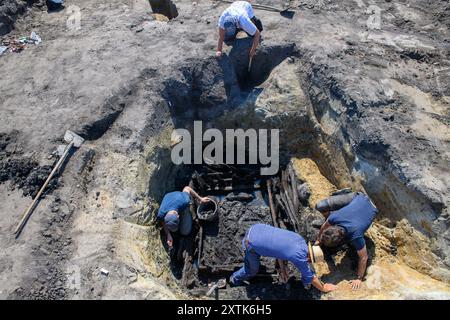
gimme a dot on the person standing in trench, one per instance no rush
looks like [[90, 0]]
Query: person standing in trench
[[238, 16], [347, 219], [174, 212]]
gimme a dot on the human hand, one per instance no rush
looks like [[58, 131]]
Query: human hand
[[205, 199], [328, 287], [218, 54], [169, 240], [356, 284]]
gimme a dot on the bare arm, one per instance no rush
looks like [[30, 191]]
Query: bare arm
[[256, 38], [195, 194], [220, 42], [168, 236], [362, 264], [324, 287]]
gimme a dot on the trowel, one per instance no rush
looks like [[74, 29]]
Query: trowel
[[73, 140]]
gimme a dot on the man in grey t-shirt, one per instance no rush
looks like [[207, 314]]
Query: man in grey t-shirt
[[238, 16]]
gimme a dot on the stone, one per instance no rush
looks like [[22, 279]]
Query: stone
[[303, 192]]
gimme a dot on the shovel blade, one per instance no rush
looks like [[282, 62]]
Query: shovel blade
[[71, 136]]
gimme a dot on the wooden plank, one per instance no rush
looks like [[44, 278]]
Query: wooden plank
[[200, 245], [272, 208], [294, 190], [284, 275], [285, 191], [288, 211]]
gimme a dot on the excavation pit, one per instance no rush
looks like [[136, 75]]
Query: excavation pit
[[311, 142], [213, 250]]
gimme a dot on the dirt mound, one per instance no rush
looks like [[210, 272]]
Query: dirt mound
[[26, 174], [23, 172], [10, 10]]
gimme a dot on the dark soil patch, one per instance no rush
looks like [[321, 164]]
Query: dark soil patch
[[26, 174], [223, 238]]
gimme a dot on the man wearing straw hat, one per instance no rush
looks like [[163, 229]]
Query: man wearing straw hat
[[265, 240]]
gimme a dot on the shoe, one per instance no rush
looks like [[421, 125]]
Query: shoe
[[233, 282]]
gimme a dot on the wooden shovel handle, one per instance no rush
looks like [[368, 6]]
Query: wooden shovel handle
[[30, 209]]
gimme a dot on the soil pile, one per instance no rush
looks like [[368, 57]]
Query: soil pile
[[10, 10]]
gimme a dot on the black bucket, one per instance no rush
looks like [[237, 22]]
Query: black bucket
[[208, 211]]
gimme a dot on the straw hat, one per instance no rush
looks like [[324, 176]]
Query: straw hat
[[316, 253]]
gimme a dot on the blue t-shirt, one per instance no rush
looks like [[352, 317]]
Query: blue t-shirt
[[176, 200], [355, 218], [282, 244]]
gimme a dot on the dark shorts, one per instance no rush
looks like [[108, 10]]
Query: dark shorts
[[257, 23]]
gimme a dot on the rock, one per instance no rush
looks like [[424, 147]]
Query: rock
[[47, 234], [11, 10], [84, 160], [303, 192]]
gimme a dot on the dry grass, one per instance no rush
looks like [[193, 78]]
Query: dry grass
[[308, 171]]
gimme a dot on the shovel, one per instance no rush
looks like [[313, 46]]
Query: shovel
[[222, 283], [261, 6], [247, 76], [74, 140]]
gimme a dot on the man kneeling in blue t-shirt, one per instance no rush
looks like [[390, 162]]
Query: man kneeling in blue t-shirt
[[349, 223], [267, 241], [174, 212]]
